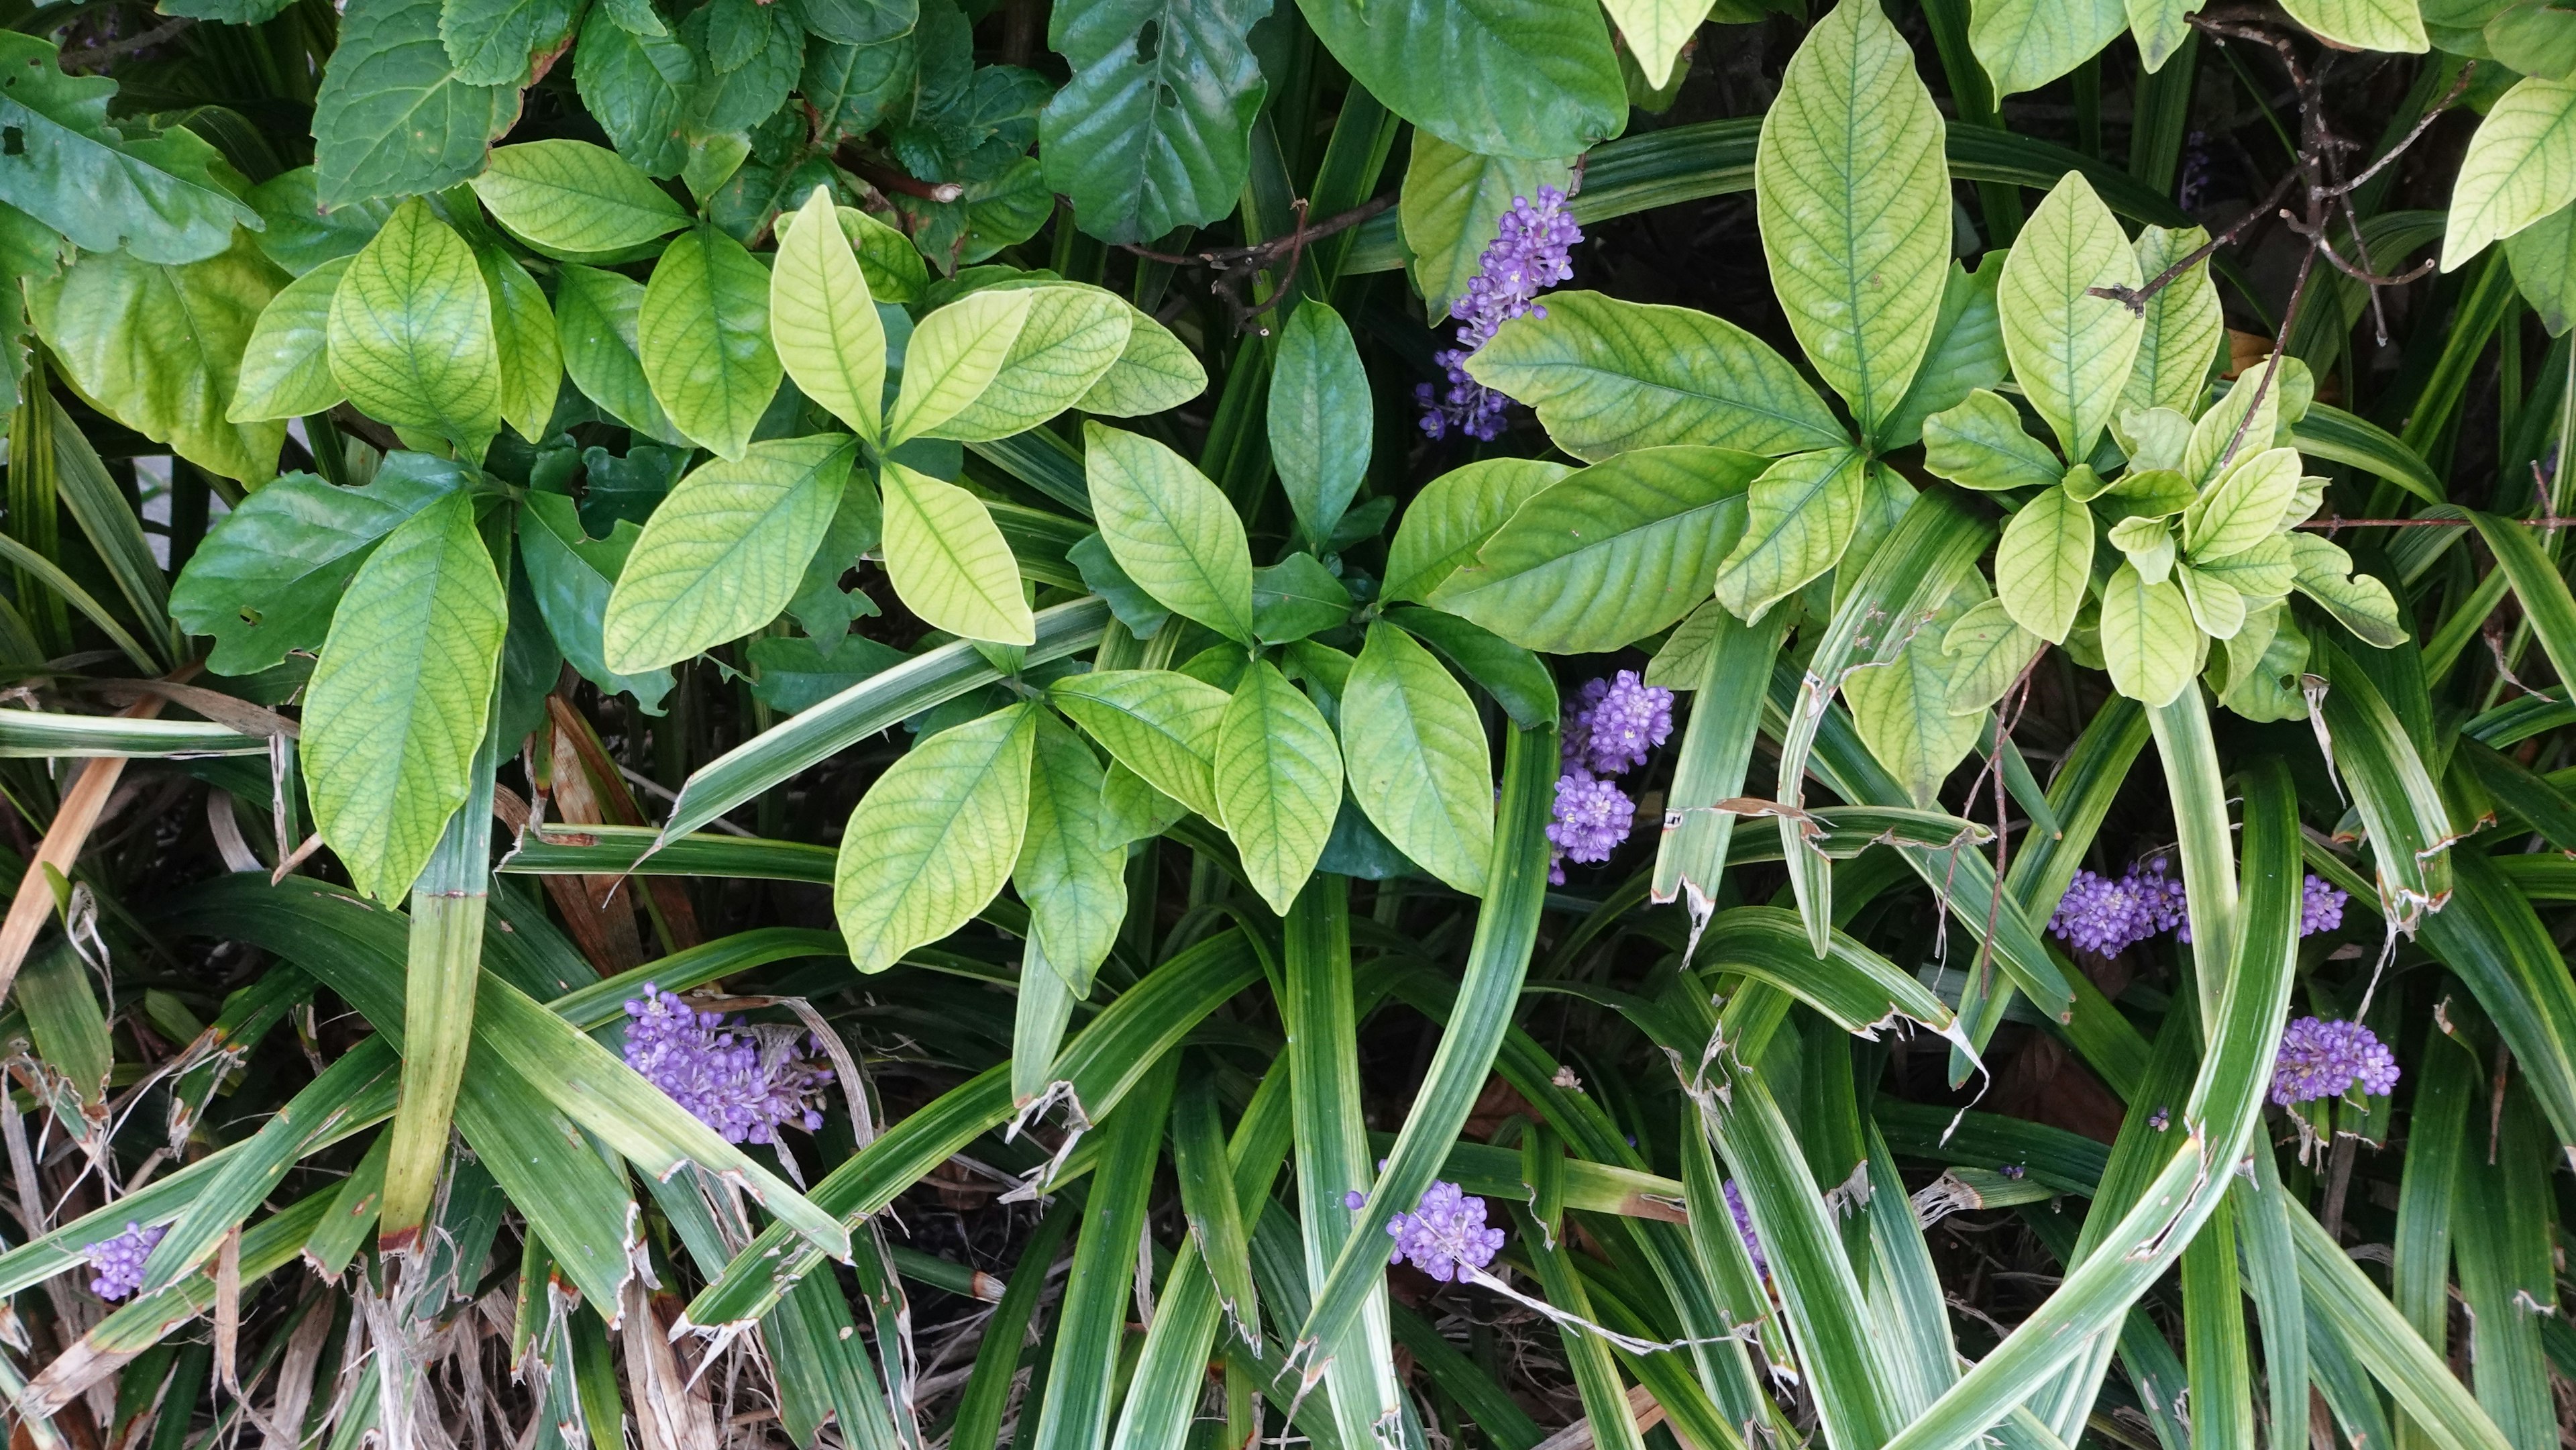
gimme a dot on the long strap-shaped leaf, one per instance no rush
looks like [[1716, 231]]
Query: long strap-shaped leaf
[[2217, 1123], [1075, 1415], [876, 703], [2497, 944]]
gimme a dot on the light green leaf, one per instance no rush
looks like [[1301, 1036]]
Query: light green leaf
[[2244, 507], [396, 708], [574, 201], [1321, 418], [2025, 44], [2225, 434], [523, 328], [2160, 26], [1607, 376], [411, 332], [1967, 352], [503, 42], [595, 317], [1500, 77], [2388, 25], [1453, 516], [1902, 711], [2520, 167], [1854, 200], [702, 334], [953, 356], [1608, 554], [1071, 874], [1069, 340], [1656, 31], [1161, 724], [1801, 513], [1296, 597], [2543, 256], [1172, 531], [1154, 373], [1131, 810], [1278, 774], [2149, 641], [2264, 571], [1980, 444], [1451, 201], [159, 348], [2148, 543], [2215, 605], [1987, 651], [1419, 765], [2044, 562], [725, 551], [2360, 602], [2183, 331], [935, 837], [2070, 351], [286, 366], [822, 320], [393, 118], [949, 561]]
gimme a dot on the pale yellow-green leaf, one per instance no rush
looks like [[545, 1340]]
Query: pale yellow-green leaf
[[595, 314], [1902, 711], [2244, 507], [2183, 331], [1070, 339], [2148, 544], [2160, 27], [949, 562], [1451, 201], [1454, 514], [1987, 651], [1173, 531], [523, 327], [1069, 872], [1656, 31], [2070, 350], [823, 321], [935, 837], [2386, 25], [2264, 665], [2520, 167], [2025, 44], [2360, 602], [2149, 642], [2152, 437], [953, 356], [1154, 373], [1981, 444], [1278, 775], [2266, 571], [1418, 762], [411, 332], [2225, 433], [1161, 724], [2543, 256], [1800, 516], [702, 333], [574, 201], [2155, 493], [1131, 809], [286, 368], [2043, 563], [724, 551], [2215, 605]]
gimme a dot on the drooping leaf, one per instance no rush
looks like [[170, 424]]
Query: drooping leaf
[[1496, 77], [396, 708], [1161, 724], [1417, 759], [1854, 199], [1607, 376], [1069, 339], [1800, 516], [953, 356], [2148, 639], [2071, 351], [2025, 44], [1451, 202], [411, 332], [505, 42], [2520, 167], [1981, 444], [1153, 130], [1902, 709], [1278, 777], [2044, 562], [1453, 516], [2543, 257], [1071, 874], [949, 562], [2360, 602], [1987, 651], [286, 365], [823, 320], [935, 837], [1320, 418], [595, 326], [725, 551], [1173, 532], [702, 334], [2183, 330], [393, 117], [575, 201]]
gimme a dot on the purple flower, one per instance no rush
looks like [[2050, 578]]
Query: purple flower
[[2320, 907], [2105, 916], [1354, 1200], [740, 1082], [1744, 1227], [1592, 817], [119, 1261], [1530, 253], [1616, 722], [1445, 1235], [2321, 1059]]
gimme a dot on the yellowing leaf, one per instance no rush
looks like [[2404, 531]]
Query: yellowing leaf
[[1278, 775], [286, 366], [2149, 641], [725, 551], [1161, 724], [702, 334], [2044, 562], [2071, 351], [823, 321], [2520, 167], [1173, 532], [1802, 511], [953, 356], [949, 562], [411, 332], [935, 837]]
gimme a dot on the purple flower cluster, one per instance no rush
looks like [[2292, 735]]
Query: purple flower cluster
[[119, 1261], [1615, 722], [1530, 253], [727, 1078], [2106, 916], [1744, 1227], [1445, 1235], [2321, 1059]]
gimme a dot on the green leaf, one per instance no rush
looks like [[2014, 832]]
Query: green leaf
[[2532, 37], [1320, 418], [1420, 770], [396, 708], [301, 236], [505, 42], [1902, 711], [1967, 352], [1980, 444], [638, 88], [1296, 597], [68, 166], [270, 573], [2148, 637], [953, 356], [2543, 256], [411, 332], [1154, 373], [702, 334], [1161, 724], [1608, 376], [2264, 571], [574, 201], [1656, 31], [725, 551], [523, 327], [1453, 516], [1451, 203], [1800, 517], [286, 365], [2244, 507], [935, 837], [2025, 44], [2359, 602], [393, 118], [1070, 871], [1173, 532], [2388, 25], [1608, 554], [1070, 338], [2071, 351], [822, 319], [2520, 167], [1497, 77], [2148, 544], [1987, 651], [1854, 199], [2215, 605], [1278, 777], [1153, 130], [159, 348], [2184, 328], [793, 678], [571, 576], [595, 320], [949, 562]]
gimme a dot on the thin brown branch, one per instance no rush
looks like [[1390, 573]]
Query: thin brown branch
[[887, 178], [2136, 298]]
